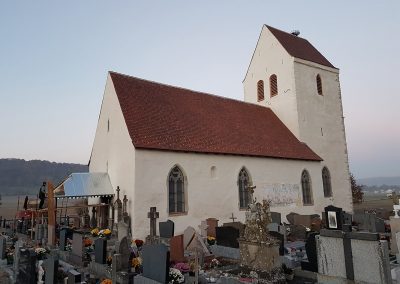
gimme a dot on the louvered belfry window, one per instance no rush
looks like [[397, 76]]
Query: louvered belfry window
[[273, 85], [319, 85], [260, 90]]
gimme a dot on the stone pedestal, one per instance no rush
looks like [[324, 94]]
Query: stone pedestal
[[259, 256]]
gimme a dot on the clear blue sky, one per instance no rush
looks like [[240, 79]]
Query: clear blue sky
[[54, 58]]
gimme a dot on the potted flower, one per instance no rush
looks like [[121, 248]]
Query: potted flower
[[175, 276], [95, 232], [106, 281], [210, 240], [139, 243], [137, 264], [87, 242], [40, 252], [109, 260]]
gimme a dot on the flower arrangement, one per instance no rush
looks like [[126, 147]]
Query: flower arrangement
[[87, 242], [40, 251], [175, 276], [214, 262], [106, 281], [95, 232], [136, 262], [105, 233], [138, 243], [182, 267], [109, 260], [210, 240]]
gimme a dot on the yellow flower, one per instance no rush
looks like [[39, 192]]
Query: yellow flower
[[107, 231], [210, 238], [136, 261], [95, 231]]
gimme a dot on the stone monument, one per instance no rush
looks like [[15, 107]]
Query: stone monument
[[258, 249]]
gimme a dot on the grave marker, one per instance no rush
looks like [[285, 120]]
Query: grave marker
[[156, 256], [100, 250], [166, 229], [3, 247], [227, 236]]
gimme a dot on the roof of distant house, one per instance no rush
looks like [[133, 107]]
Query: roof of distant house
[[164, 117], [299, 47]]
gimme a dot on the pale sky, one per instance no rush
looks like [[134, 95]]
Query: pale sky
[[54, 58]]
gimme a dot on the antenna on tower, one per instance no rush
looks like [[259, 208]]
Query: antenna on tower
[[295, 32]]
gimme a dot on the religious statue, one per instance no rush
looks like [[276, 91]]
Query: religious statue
[[42, 195]]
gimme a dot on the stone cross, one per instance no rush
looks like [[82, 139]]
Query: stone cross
[[118, 206], [124, 206], [153, 215], [203, 229], [233, 218]]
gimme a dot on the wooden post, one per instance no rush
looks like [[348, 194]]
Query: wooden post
[[51, 214]]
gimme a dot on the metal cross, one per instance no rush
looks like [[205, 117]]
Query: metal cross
[[153, 215], [233, 218]]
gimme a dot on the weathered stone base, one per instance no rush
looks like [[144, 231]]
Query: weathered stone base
[[260, 256]]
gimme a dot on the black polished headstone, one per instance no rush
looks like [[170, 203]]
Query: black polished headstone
[[166, 229], [156, 256], [51, 269], [333, 217], [227, 236], [3, 247], [100, 251], [74, 277], [63, 240], [311, 251], [281, 239], [347, 218]]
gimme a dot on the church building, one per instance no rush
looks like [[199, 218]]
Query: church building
[[193, 155]]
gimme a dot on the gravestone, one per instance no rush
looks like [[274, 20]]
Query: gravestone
[[237, 225], [212, 224], [123, 249], [276, 217], [227, 236], [290, 217], [333, 217], [153, 215], [311, 250], [347, 218], [51, 269], [3, 247], [122, 230], [188, 236], [77, 249], [177, 252], [166, 229], [304, 220], [74, 277], [297, 232], [156, 256], [281, 239], [63, 240], [203, 229], [100, 250]]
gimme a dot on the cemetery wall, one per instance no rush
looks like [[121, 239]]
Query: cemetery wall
[[217, 196]]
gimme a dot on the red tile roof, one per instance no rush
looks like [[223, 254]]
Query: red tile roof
[[299, 47], [169, 118]]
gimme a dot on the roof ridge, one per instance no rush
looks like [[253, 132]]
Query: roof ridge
[[290, 34], [186, 89]]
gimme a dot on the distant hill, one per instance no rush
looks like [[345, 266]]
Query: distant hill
[[378, 181], [20, 177]]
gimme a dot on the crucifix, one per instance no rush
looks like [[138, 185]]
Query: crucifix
[[233, 218], [153, 215]]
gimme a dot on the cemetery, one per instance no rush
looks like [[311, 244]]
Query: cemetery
[[265, 248]]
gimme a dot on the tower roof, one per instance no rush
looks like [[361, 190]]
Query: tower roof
[[299, 47], [163, 117]]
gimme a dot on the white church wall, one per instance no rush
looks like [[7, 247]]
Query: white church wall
[[113, 151], [212, 189], [322, 125], [271, 58]]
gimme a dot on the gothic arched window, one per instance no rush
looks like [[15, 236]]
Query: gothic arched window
[[326, 181], [243, 183], [306, 188], [273, 85], [176, 191], [260, 90], [319, 85]]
